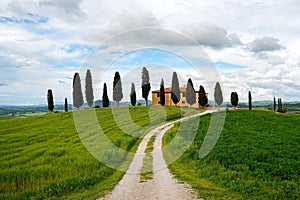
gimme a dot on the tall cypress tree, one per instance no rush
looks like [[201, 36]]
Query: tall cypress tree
[[250, 100], [175, 93], [66, 105], [145, 84], [274, 104], [234, 99], [50, 100], [162, 97], [133, 95], [77, 92], [202, 98], [89, 94], [218, 94], [117, 88], [190, 92], [105, 99]]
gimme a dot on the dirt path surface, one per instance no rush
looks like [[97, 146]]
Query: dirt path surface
[[163, 185]]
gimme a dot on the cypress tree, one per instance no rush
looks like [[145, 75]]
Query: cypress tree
[[77, 92], [234, 99], [105, 99], [66, 105], [202, 98], [145, 84], [218, 94], [250, 100], [279, 105], [89, 94], [175, 93], [190, 92], [162, 93], [50, 100], [117, 88], [133, 95], [274, 104]]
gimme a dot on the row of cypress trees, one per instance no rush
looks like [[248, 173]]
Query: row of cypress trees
[[190, 92], [117, 90]]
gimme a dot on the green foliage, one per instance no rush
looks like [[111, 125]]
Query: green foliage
[[117, 88], [133, 95], [105, 99], [77, 92], [66, 105], [256, 157], [234, 99], [218, 94], [202, 98], [50, 100], [250, 100], [145, 84], [89, 94], [162, 93], [175, 93], [190, 92]]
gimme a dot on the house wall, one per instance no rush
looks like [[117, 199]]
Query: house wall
[[169, 102]]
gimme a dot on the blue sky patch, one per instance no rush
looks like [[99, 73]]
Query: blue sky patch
[[31, 19], [224, 65]]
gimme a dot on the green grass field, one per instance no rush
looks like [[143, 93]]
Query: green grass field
[[256, 157], [42, 157]]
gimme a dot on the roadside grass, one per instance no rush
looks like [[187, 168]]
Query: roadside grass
[[256, 157], [146, 171], [42, 157]]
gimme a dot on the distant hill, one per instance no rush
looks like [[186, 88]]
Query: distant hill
[[7, 110]]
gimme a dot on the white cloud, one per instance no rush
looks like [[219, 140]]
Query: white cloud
[[229, 31], [265, 44]]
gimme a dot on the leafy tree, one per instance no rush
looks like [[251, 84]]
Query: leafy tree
[[218, 94], [50, 100], [117, 88], [105, 99], [274, 104], [66, 105], [250, 100], [234, 99], [89, 94], [202, 98], [77, 92], [133, 95], [145, 84], [175, 93], [162, 93], [190, 92]]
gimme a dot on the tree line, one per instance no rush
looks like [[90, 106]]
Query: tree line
[[146, 87]]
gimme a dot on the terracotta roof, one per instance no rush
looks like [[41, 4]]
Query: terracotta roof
[[168, 90]]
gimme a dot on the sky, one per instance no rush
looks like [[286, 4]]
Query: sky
[[249, 45]]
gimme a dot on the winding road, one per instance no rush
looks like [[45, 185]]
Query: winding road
[[163, 185]]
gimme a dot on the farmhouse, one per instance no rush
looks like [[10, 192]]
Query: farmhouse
[[168, 100]]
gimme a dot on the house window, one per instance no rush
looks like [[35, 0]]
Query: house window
[[183, 94], [183, 102], [157, 94]]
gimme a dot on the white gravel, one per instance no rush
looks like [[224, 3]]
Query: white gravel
[[163, 185]]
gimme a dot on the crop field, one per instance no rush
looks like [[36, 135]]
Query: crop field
[[256, 157], [42, 157]]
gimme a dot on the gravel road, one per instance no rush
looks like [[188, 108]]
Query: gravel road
[[163, 185]]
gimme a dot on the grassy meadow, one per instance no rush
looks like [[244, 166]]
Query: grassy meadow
[[256, 157], [42, 157]]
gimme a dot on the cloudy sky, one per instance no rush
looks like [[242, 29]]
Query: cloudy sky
[[254, 45]]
